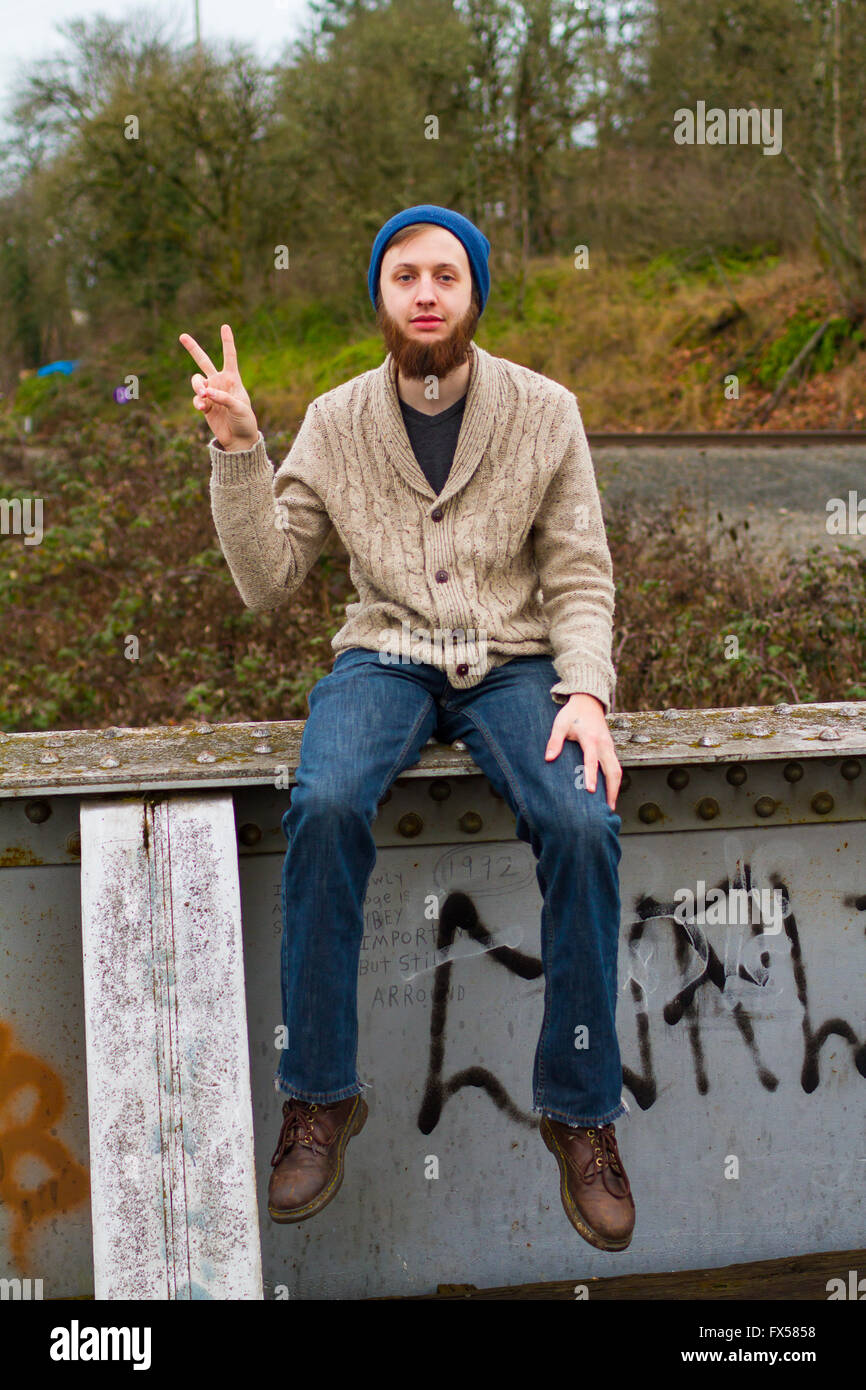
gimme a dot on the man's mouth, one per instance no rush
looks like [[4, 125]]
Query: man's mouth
[[427, 318]]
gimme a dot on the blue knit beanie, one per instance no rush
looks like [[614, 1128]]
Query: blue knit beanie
[[475, 243]]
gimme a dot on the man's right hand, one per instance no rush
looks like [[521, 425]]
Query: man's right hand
[[221, 395]]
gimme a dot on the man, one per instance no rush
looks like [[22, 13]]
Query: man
[[462, 487]]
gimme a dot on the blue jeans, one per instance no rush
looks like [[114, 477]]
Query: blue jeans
[[368, 722]]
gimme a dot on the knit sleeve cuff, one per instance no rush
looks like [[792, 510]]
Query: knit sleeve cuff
[[585, 680], [239, 467]]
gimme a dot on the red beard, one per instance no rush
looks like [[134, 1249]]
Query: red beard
[[416, 360]]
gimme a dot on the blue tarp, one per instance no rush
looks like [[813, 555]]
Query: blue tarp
[[66, 367]]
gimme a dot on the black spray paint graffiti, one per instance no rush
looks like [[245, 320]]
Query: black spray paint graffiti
[[642, 1084], [460, 912]]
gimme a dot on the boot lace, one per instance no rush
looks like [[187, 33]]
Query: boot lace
[[605, 1159], [297, 1128]]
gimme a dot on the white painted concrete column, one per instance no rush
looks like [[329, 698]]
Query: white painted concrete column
[[168, 1077]]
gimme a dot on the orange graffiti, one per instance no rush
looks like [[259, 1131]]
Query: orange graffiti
[[70, 1184]]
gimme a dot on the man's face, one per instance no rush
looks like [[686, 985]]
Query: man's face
[[427, 316]]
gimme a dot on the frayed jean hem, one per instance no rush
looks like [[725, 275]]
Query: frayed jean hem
[[318, 1097], [582, 1121]]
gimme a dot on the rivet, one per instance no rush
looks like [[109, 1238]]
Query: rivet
[[73, 843], [640, 738], [440, 790], [736, 774], [759, 731], [792, 772], [671, 714], [829, 734], [49, 758], [649, 813], [678, 778], [260, 733], [205, 758], [765, 806], [850, 769], [108, 762], [459, 745], [410, 825], [822, 803], [112, 732], [263, 748], [783, 708], [707, 808], [37, 811], [250, 834], [203, 729], [470, 823], [707, 741], [620, 722]]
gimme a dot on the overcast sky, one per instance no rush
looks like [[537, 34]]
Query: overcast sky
[[29, 34]]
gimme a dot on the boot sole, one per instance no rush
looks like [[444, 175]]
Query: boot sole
[[577, 1220], [353, 1126]]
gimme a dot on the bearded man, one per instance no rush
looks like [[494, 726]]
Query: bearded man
[[462, 487]]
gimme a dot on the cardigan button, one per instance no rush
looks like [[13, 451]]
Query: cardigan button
[[441, 576], [462, 669], [437, 514]]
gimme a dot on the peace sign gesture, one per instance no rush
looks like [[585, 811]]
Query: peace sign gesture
[[221, 395]]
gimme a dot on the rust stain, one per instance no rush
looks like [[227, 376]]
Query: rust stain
[[70, 1184], [16, 856]]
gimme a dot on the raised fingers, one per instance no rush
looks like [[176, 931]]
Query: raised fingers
[[230, 357], [198, 354]]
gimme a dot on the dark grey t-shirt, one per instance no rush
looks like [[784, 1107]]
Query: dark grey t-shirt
[[434, 439]]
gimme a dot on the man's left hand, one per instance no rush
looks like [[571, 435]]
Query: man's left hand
[[582, 718]]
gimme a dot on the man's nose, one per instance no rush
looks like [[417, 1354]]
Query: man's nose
[[426, 289]]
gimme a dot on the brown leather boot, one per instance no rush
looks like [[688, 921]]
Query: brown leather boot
[[594, 1188], [308, 1160]]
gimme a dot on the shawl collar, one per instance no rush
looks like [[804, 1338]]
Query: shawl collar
[[483, 407]]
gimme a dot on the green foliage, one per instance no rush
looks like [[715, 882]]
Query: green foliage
[[348, 362], [35, 395], [778, 356], [666, 273], [838, 332]]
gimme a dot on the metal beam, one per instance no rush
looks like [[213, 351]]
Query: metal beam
[[89, 761]]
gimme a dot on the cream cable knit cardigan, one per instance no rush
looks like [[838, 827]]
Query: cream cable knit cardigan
[[511, 559]]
